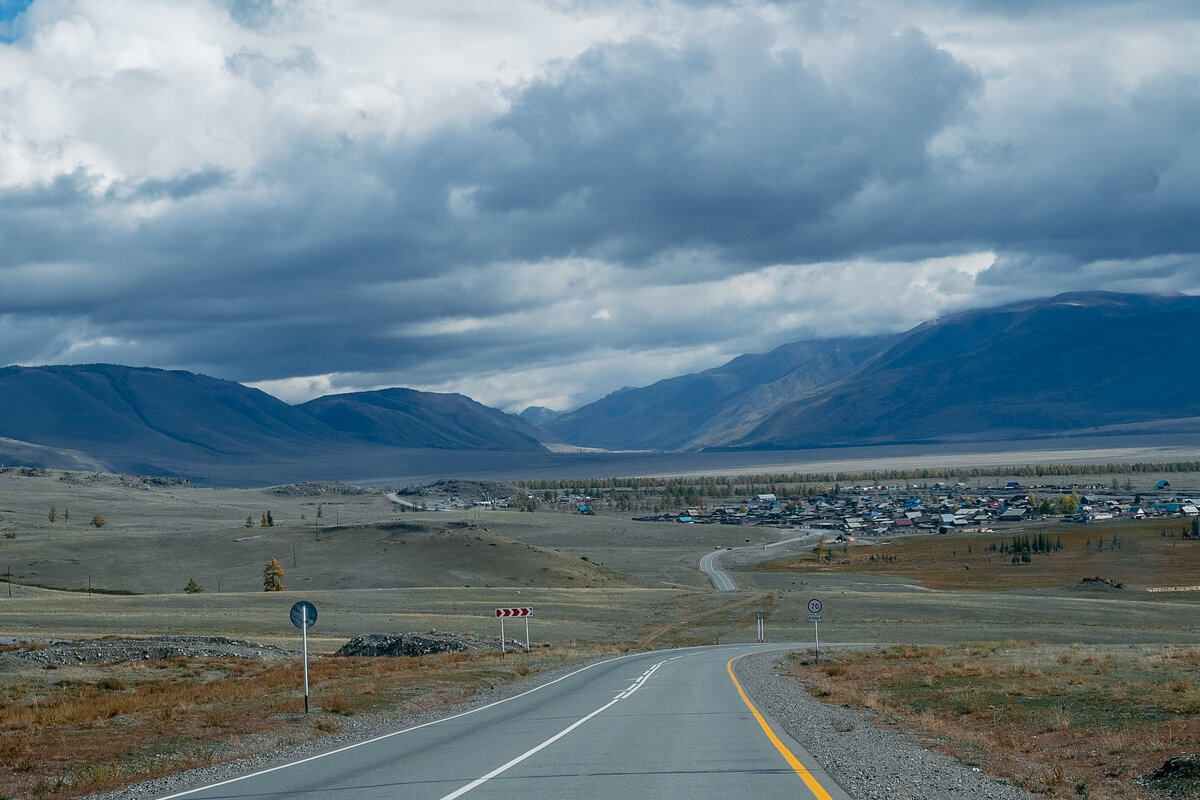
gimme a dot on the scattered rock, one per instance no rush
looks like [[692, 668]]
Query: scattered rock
[[319, 488], [112, 651], [412, 644], [1179, 777], [127, 481], [1098, 584]]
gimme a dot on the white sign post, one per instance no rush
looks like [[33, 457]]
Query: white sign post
[[525, 612], [761, 616], [304, 615], [814, 616]]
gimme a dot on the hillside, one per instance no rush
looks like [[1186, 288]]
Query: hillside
[[138, 417], [1083, 364], [715, 406], [408, 418], [1092, 362], [1077, 363], [158, 422]]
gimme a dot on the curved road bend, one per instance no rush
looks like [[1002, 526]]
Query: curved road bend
[[720, 578], [673, 725]]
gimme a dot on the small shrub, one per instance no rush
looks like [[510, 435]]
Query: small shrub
[[193, 587], [337, 704], [99, 521]]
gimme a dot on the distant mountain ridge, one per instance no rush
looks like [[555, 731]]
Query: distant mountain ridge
[[1078, 364], [1082, 362], [153, 421], [713, 407], [408, 418]]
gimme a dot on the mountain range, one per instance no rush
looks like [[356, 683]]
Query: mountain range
[[1089, 362], [1076, 364]]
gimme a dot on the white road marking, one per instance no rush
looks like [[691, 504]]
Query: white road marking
[[639, 683], [394, 733]]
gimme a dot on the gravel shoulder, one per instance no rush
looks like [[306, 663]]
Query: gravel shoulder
[[869, 763]]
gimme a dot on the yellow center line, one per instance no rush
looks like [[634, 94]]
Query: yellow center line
[[806, 776]]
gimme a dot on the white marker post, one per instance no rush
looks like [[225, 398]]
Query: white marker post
[[761, 616]]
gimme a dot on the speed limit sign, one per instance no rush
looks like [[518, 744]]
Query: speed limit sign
[[814, 606]]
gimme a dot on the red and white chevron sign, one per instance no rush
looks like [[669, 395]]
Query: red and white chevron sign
[[514, 612]]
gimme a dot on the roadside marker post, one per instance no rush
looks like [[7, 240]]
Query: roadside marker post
[[525, 612], [304, 616], [814, 616], [761, 616]]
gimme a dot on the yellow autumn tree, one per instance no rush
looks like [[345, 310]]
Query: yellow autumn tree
[[273, 576]]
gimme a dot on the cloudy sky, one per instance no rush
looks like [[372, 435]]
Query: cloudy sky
[[541, 202]]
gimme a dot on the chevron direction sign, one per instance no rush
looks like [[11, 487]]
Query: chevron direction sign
[[514, 612]]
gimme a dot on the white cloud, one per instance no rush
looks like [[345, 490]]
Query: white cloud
[[539, 202]]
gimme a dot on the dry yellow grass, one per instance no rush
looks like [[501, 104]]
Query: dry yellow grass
[[1054, 719], [1136, 553], [160, 717]]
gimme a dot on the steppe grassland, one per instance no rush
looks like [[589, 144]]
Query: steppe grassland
[[1064, 721], [164, 534], [1150, 553]]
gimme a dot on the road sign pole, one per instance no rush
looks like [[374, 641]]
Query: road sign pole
[[303, 614], [304, 636], [525, 612], [814, 616]]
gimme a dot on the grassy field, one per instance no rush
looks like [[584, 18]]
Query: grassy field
[[597, 584], [81, 730], [1064, 721], [1141, 554]]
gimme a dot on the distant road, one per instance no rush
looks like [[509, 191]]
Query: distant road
[[672, 725], [719, 577]]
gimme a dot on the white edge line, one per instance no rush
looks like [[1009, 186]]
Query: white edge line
[[475, 784], [394, 733]]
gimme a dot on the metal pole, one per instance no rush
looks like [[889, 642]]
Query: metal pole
[[502, 650], [304, 636], [817, 634], [527, 634]]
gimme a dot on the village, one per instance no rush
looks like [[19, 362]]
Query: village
[[886, 510]]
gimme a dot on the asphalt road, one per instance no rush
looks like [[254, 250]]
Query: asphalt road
[[673, 725], [719, 577]]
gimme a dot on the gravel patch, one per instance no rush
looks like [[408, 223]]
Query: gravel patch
[[869, 763], [112, 651]]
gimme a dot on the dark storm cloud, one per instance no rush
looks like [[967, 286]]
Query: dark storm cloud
[[712, 176], [633, 149]]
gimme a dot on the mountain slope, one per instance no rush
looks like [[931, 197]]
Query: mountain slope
[[155, 422], [105, 407], [717, 405], [1074, 362], [408, 418]]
